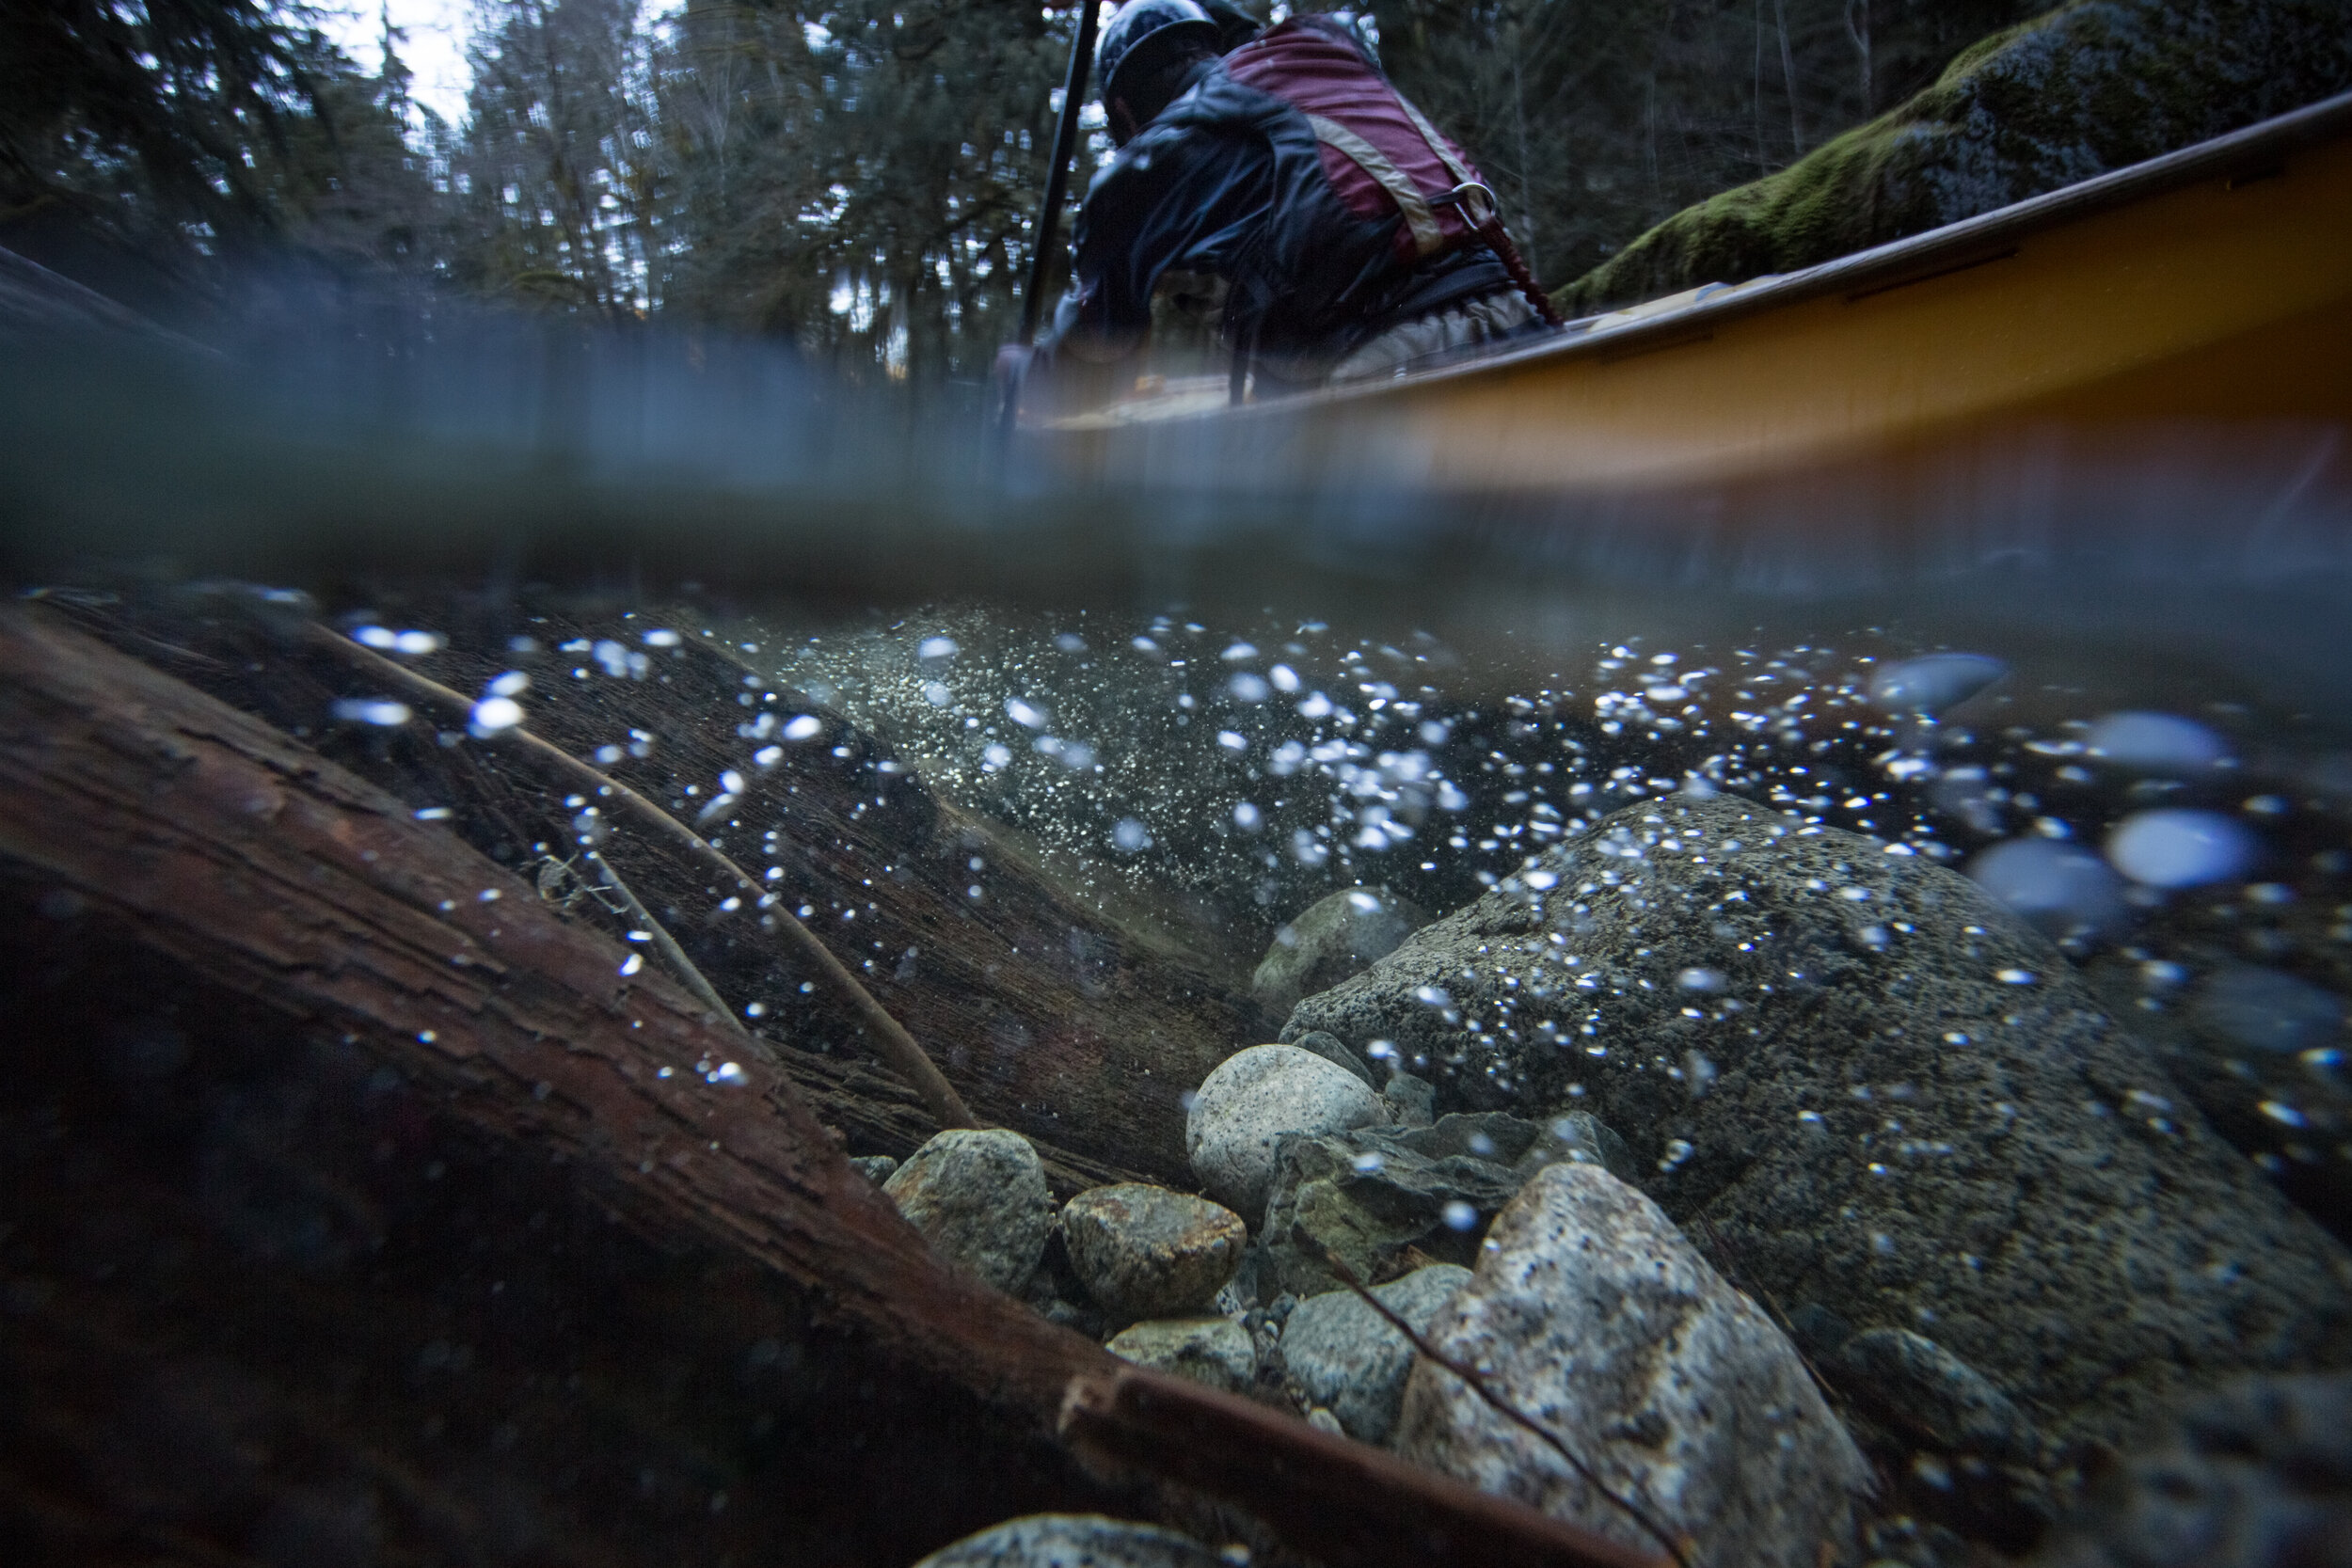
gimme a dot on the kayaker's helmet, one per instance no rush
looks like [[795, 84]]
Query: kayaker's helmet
[[1144, 35]]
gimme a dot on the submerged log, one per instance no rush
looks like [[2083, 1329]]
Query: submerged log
[[220, 850], [1046, 1014]]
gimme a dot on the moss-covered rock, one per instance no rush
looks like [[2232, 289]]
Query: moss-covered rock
[[2092, 86]]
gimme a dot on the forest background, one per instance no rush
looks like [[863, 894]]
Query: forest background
[[859, 177]]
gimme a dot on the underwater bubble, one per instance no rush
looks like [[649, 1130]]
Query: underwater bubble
[[2060, 887], [1284, 677], [1249, 687], [1700, 979], [931, 647], [1026, 715], [1070, 643], [371, 710], [1240, 653], [415, 644], [2153, 743], [1934, 682], [937, 694], [804, 727], [1247, 817], [1131, 835], [662, 640], [494, 714], [1459, 1215], [2263, 1009], [513, 683], [2177, 848], [1232, 740]]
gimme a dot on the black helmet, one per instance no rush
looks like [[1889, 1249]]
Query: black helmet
[[1161, 23]]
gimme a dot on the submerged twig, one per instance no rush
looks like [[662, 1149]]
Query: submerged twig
[[664, 943], [1675, 1548], [897, 1047]]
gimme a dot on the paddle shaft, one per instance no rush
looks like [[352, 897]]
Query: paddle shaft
[[1057, 177]]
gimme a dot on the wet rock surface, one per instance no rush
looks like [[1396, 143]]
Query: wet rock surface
[[1074, 1541], [1593, 1314], [2258, 1475], [1383, 1196], [1958, 1452], [1870, 1089], [1334, 938], [1351, 1361], [1255, 1098], [1334, 1050], [1912, 1383], [1147, 1252], [1214, 1350], [2246, 1014], [981, 1200]]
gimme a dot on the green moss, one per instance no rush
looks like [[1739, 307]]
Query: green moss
[[2094, 86]]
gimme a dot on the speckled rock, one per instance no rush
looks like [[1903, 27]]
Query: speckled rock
[[1881, 1093], [1332, 939], [1371, 1194], [1217, 1352], [1593, 1312], [1255, 1098], [2258, 1475], [1146, 1252], [1074, 1541], [877, 1168], [1351, 1361], [981, 1200], [1912, 1383], [2233, 1033]]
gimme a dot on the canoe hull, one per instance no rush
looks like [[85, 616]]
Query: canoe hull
[[2212, 288]]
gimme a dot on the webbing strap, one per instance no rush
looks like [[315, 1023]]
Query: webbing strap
[[1454, 166], [1465, 182], [1419, 217]]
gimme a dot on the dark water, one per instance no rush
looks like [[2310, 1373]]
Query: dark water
[[2110, 687]]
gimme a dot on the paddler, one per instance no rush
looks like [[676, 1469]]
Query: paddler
[[1277, 174]]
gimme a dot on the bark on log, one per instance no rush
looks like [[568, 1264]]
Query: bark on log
[[235, 853]]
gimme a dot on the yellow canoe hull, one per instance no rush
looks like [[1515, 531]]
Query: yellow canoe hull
[[2212, 286]]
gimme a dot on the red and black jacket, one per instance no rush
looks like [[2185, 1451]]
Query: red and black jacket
[[1291, 169]]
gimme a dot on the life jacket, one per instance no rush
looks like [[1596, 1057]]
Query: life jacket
[[1381, 155]]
